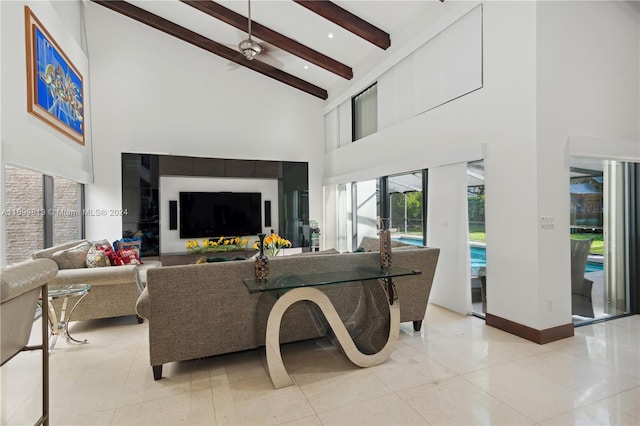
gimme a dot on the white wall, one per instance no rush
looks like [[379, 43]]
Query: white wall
[[446, 67], [26, 141], [589, 84], [155, 94], [496, 122], [546, 75], [171, 186]]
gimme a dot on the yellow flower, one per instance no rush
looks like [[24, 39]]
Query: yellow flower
[[273, 243], [222, 244]]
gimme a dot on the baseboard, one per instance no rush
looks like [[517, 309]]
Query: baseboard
[[537, 336]]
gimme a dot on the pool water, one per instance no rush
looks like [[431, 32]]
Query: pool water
[[479, 257]]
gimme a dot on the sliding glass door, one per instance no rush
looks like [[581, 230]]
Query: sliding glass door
[[477, 236], [406, 207], [395, 202], [602, 203]]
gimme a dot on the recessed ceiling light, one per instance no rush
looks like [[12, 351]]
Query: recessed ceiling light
[[306, 67], [330, 35]]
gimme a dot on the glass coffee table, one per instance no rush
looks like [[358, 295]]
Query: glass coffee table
[[297, 287], [62, 323]]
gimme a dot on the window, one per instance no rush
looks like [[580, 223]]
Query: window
[[39, 211], [364, 109], [67, 204], [397, 203]]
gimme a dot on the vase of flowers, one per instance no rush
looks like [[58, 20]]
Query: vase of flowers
[[272, 243], [262, 261], [385, 246]]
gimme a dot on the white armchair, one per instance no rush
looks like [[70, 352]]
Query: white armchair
[[20, 287]]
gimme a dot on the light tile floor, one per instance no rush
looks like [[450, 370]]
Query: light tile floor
[[455, 371]]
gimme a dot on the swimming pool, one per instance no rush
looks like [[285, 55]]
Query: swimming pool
[[479, 256]]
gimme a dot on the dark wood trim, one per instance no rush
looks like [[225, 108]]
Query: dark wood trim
[[348, 21], [537, 336], [214, 47], [272, 37]]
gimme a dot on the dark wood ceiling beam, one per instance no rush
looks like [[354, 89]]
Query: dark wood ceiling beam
[[348, 21], [272, 37], [216, 48]]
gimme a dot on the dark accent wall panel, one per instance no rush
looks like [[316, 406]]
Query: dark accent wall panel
[[140, 192], [212, 167], [175, 166], [269, 169], [240, 168]]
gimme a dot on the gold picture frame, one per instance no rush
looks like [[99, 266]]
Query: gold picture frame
[[55, 87]]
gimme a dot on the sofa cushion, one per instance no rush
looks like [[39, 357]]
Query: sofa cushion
[[97, 258], [129, 256], [313, 253], [97, 276], [72, 258], [103, 243], [48, 252], [373, 244], [113, 257], [128, 243]]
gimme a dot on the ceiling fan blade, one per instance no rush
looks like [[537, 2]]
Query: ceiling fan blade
[[270, 56], [270, 60]]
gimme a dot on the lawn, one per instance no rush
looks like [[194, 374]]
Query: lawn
[[477, 233], [597, 245]]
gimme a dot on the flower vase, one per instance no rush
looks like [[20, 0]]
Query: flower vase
[[385, 249], [262, 262]]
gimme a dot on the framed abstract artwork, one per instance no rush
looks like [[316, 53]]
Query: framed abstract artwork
[[55, 89]]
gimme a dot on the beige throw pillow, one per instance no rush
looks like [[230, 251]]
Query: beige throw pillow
[[72, 258], [97, 258]]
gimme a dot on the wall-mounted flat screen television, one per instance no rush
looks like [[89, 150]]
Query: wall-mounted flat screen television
[[217, 214]]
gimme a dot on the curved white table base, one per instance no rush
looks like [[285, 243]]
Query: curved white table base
[[279, 376]]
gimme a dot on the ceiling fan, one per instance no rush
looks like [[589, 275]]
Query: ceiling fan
[[250, 48]]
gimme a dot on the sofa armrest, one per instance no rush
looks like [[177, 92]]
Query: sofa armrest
[[107, 275], [48, 252], [143, 305], [20, 286], [23, 277]]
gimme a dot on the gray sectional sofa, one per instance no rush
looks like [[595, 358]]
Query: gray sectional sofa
[[114, 289], [196, 311]]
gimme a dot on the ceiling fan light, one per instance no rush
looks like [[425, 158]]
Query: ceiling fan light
[[250, 49]]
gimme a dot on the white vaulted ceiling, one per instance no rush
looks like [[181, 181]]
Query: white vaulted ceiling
[[298, 23]]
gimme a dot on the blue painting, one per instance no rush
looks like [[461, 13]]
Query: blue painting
[[55, 86]]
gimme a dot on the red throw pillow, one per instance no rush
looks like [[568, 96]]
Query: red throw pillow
[[129, 256], [114, 259]]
